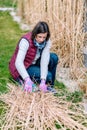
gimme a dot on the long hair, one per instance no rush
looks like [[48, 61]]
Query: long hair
[[41, 27]]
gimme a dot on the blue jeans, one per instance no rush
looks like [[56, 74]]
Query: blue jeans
[[34, 70]]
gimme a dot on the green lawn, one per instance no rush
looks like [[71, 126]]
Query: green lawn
[[9, 36], [8, 3]]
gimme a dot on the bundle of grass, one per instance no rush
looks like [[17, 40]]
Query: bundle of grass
[[36, 111]]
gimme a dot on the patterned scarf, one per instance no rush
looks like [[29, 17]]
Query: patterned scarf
[[39, 45]]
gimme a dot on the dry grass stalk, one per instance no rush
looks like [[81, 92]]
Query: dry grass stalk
[[83, 86], [36, 111]]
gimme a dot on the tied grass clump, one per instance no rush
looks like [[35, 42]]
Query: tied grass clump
[[52, 112]]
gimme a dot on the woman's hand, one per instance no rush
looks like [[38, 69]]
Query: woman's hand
[[28, 85], [43, 86]]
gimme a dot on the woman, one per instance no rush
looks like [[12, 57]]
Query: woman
[[32, 61]]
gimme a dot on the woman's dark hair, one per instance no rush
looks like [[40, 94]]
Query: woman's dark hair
[[41, 27]]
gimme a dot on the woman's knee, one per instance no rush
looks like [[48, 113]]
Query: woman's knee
[[49, 77], [54, 58]]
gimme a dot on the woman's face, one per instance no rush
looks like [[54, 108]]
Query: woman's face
[[41, 37]]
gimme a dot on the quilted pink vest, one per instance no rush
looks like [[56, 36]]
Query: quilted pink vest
[[31, 52]]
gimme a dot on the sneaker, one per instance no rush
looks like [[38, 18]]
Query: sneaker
[[50, 89]]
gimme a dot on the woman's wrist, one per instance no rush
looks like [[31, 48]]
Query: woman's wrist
[[43, 81]]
